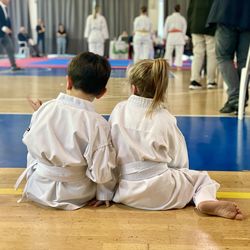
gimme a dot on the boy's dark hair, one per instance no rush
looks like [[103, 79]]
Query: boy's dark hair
[[89, 72], [144, 9], [177, 8]]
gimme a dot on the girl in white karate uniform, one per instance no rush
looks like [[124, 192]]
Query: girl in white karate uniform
[[96, 31], [151, 151], [142, 42], [175, 32], [70, 156]]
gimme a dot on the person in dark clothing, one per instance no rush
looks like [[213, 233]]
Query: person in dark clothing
[[40, 29], [203, 43], [23, 36], [5, 34], [232, 39]]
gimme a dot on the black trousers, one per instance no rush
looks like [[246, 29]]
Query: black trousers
[[8, 46]]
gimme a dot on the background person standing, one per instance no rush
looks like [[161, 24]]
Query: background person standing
[[203, 43], [142, 41], [5, 34], [40, 29], [96, 31], [174, 32], [61, 40], [232, 39]]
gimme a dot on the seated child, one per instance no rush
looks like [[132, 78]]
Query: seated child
[[151, 152], [70, 156]]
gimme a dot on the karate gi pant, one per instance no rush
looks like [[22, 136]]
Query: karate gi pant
[[142, 47], [155, 186], [178, 54], [96, 48]]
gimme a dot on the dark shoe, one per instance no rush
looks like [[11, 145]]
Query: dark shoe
[[229, 108], [15, 68], [195, 85], [212, 85]]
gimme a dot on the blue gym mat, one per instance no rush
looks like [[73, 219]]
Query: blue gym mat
[[214, 143], [63, 62]]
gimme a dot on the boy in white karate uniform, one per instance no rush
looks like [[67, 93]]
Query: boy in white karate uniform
[[70, 156], [151, 151], [96, 31]]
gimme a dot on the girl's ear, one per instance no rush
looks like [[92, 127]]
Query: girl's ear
[[134, 89], [69, 83]]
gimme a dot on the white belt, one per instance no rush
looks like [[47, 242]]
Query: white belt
[[140, 170], [62, 174], [23, 175]]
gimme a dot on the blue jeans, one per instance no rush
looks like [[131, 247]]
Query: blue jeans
[[61, 45], [231, 42], [41, 40]]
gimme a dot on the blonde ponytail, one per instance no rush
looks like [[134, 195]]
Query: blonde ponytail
[[150, 78], [160, 80]]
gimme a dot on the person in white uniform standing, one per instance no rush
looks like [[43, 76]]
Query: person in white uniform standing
[[96, 31], [175, 32], [152, 157], [142, 41], [70, 156]]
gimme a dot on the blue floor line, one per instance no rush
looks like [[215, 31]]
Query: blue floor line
[[214, 143]]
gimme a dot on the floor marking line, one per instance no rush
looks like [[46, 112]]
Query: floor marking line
[[11, 191], [235, 195], [220, 195]]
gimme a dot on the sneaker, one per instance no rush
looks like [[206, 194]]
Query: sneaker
[[195, 85], [229, 108], [212, 85], [15, 68]]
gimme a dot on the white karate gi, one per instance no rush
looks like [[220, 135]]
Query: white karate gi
[[142, 41], [152, 160], [174, 32], [96, 31], [69, 151]]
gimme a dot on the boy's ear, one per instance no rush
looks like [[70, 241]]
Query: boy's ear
[[69, 83], [101, 94]]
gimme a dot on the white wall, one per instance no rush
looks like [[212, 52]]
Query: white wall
[[33, 17], [156, 14], [153, 12]]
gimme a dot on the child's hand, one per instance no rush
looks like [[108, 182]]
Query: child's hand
[[97, 203], [34, 104]]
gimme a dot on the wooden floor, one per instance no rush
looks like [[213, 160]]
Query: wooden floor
[[181, 100], [28, 226]]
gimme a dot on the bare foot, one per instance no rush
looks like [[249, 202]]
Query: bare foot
[[225, 209]]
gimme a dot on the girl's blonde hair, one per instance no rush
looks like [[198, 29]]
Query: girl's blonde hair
[[150, 77], [96, 10]]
